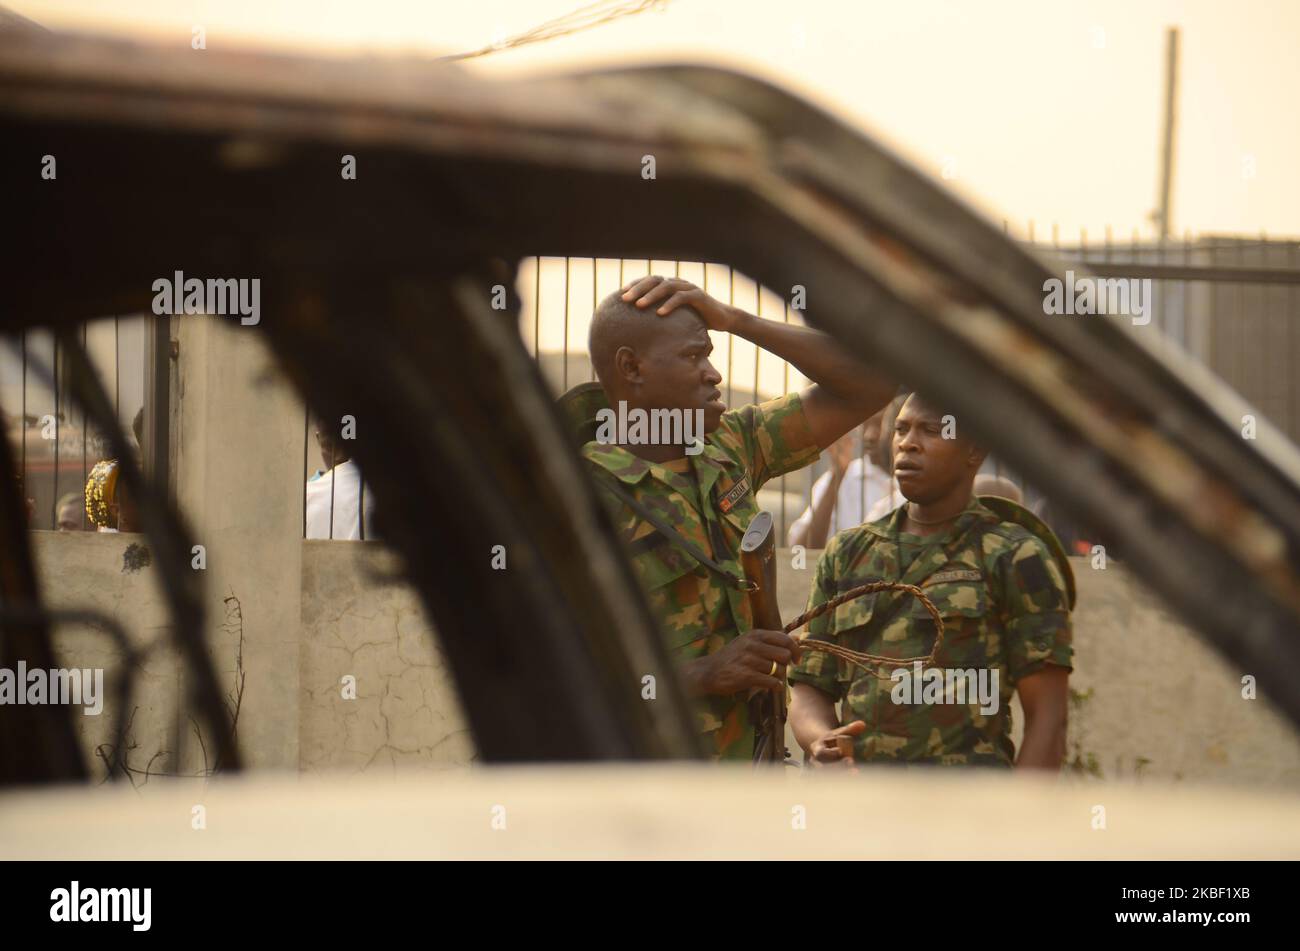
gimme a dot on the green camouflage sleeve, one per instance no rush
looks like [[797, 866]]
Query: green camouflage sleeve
[[817, 667], [771, 438], [1037, 610]]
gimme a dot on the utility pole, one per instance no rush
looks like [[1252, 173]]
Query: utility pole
[[1163, 208]]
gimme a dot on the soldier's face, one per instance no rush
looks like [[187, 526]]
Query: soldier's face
[[927, 466], [675, 370]]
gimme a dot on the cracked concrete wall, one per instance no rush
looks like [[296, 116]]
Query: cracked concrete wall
[[1149, 697], [1159, 703], [95, 571], [357, 622]]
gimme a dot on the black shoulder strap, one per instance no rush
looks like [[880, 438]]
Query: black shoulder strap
[[674, 537]]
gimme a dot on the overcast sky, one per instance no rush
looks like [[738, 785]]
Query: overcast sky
[[1043, 110]]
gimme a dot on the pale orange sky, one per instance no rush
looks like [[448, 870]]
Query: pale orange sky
[[1043, 110]]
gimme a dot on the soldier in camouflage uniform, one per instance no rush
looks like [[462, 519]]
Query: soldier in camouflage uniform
[[650, 346], [1001, 583]]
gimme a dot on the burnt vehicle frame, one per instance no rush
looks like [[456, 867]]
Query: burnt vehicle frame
[[375, 301]]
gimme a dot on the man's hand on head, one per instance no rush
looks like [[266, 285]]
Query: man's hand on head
[[666, 294]]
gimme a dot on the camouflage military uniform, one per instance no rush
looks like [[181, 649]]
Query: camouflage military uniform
[[710, 504], [1004, 592]]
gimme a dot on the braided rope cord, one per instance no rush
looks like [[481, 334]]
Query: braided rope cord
[[857, 658]]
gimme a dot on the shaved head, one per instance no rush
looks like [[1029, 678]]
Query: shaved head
[[618, 323], [655, 361]]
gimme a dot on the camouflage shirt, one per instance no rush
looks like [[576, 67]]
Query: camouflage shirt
[[1005, 606], [710, 504]]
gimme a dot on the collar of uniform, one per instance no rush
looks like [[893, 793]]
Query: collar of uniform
[[631, 468], [616, 460], [708, 465], [973, 512]]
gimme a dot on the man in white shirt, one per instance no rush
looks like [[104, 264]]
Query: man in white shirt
[[858, 481], [339, 504]]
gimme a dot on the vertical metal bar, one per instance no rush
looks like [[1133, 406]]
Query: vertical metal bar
[[85, 425], [862, 491], [566, 324], [334, 473], [117, 367], [361, 505], [306, 430], [785, 388], [1238, 322], [1292, 315], [23, 465], [157, 403], [55, 363], [1187, 297], [731, 299], [758, 309], [1162, 312], [537, 310]]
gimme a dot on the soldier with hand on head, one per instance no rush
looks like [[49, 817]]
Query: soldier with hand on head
[[683, 513], [1000, 581]]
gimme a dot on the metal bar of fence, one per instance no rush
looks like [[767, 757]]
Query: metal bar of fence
[[731, 299], [537, 311], [566, 323], [54, 501], [1290, 352], [84, 431], [333, 474], [23, 464]]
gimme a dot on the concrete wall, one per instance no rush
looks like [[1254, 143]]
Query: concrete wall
[[1150, 699], [357, 621]]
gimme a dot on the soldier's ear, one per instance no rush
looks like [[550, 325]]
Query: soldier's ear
[[627, 365]]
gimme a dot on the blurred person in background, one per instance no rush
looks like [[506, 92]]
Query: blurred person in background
[[335, 507], [858, 478], [68, 513]]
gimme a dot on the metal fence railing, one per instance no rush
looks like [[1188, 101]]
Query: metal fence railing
[[1231, 303], [55, 446]]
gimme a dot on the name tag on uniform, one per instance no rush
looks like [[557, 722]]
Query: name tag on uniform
[[954, 574], [733, 495]]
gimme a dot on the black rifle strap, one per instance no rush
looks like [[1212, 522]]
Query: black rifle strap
[[674, 537]]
